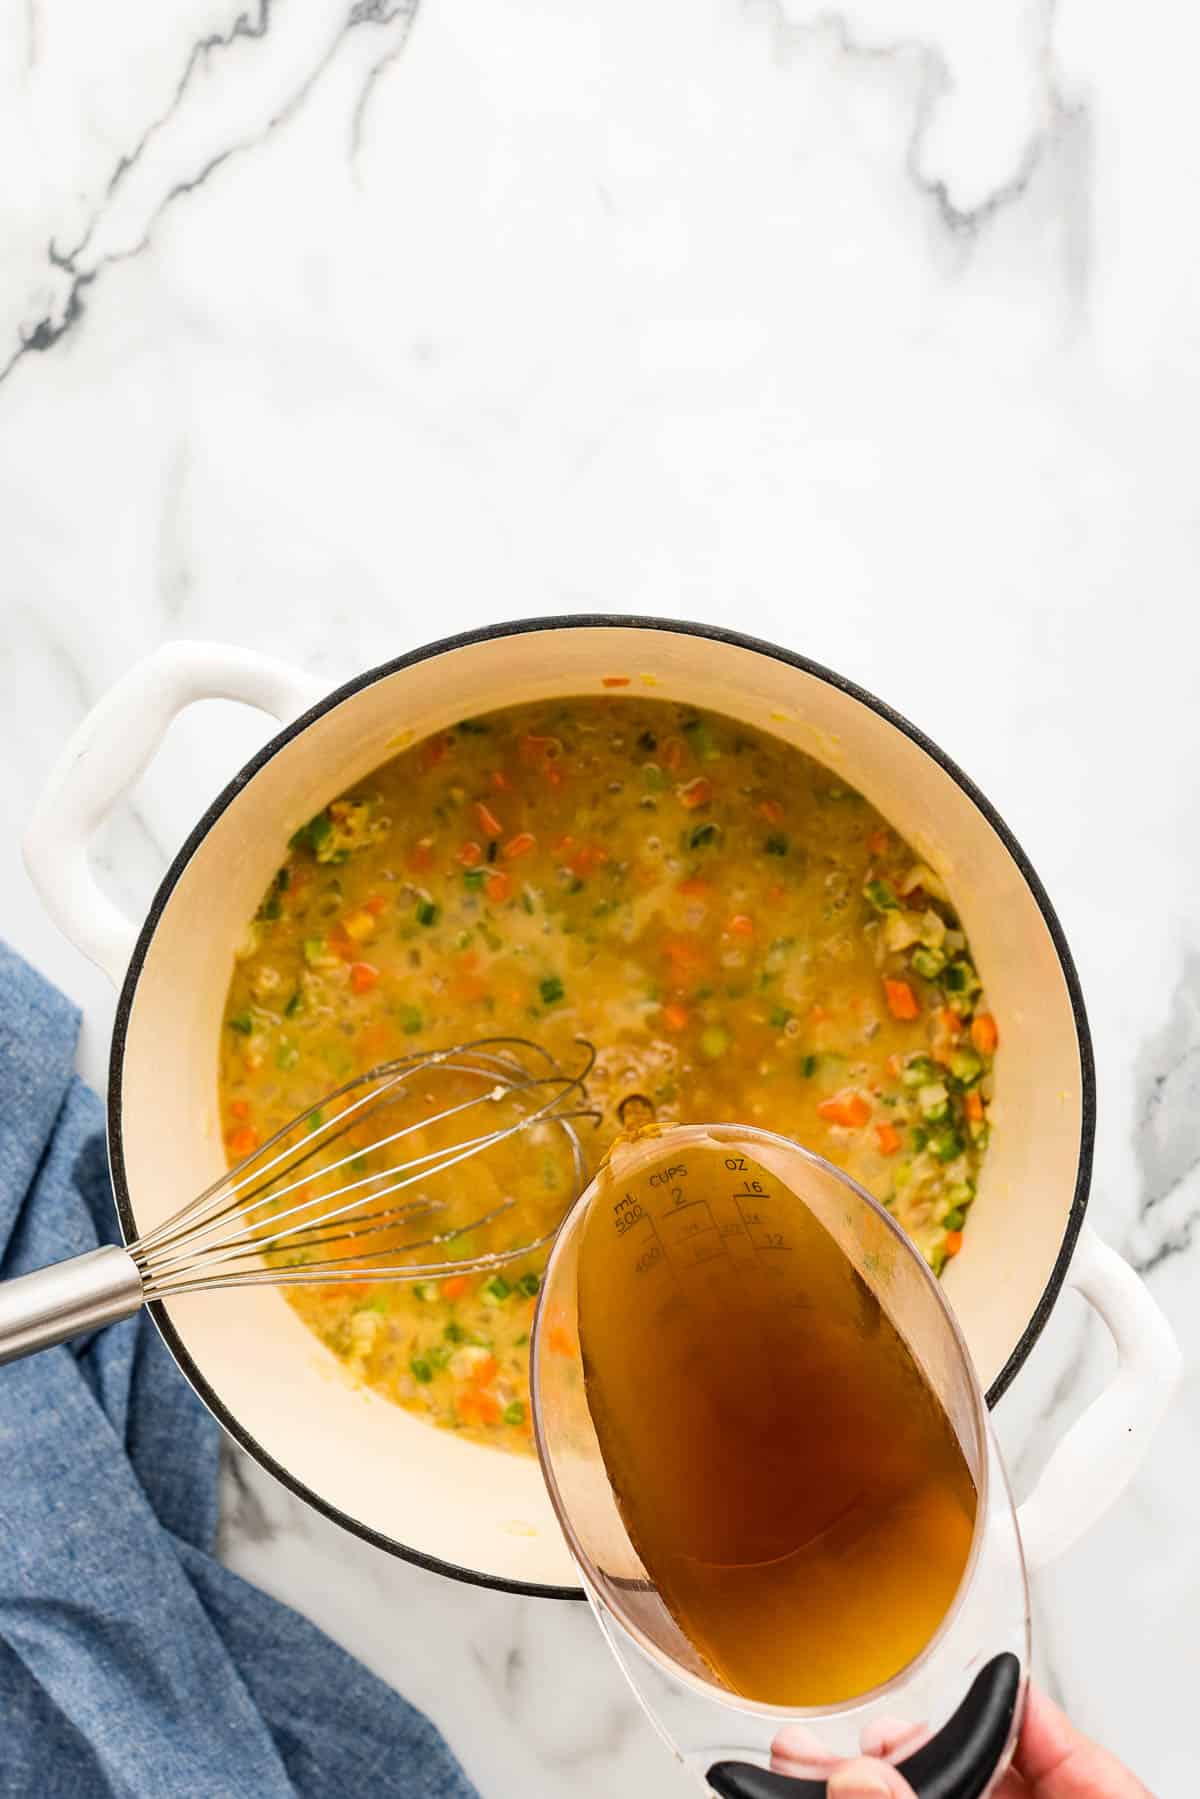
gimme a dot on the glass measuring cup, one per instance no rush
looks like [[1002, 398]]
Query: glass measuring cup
[[966, 1684]]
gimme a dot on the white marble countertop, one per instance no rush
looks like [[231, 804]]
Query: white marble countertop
[[330, 329]]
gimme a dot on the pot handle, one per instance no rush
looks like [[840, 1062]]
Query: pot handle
[[1102, 1451], [958, 1763], [109, 750]]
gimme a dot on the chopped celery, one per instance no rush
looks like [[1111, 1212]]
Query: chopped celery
[[965, 1066], [946, 1143], [515, 1412], [918, 1070], [882, 895], [954, 1219], [928, 963], [934, 1101]]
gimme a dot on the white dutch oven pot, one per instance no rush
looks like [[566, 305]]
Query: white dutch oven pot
[[450, 1505]]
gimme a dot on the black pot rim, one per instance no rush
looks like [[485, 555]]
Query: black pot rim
[[515, 628]]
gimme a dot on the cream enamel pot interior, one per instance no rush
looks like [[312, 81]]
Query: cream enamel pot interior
[[470, 1511]]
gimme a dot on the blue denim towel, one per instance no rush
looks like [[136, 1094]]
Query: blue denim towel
[[131, 1662]]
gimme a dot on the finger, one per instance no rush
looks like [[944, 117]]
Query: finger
[[1059, 1763], [799, 1751], [867, 1779], [893, 1736]]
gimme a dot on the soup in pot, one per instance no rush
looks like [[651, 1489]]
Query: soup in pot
[[741, 936]]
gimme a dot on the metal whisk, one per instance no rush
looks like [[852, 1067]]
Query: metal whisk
[[306, 1205]]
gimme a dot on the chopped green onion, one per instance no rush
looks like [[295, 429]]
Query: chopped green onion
[[498, 1289], [946, 1143], [704, 834], [242, 1023], [551, 990], [777, 844], [514, 1413], [271, 908], [521, 1341], [955, 1219], [701, 739], [529, 1285], [648, 742], [473, 727], [808, 1066], [474, 878], [314, 949], [410, 1020], [918, 1070], [653, 778], [780, 1018], [439, 1355], [315, 1119], [454, 1333], [294, 1005], [427, 912], [421, 1369]]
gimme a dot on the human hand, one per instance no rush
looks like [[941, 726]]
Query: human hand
[[1052, 1761]]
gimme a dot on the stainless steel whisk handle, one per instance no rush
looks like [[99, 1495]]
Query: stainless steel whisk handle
[[66, 1300]]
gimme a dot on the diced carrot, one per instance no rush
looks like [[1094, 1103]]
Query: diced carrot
[[559, 1339], [485, 1371], [673, 752], [498, 886], [675, 1016], [819, 1014], [902, 1001], [696, 793], [468, 959], [889, 1138], [377, 1038], [974, 1107], [421, 853], [553, 774], [539, 752], [563, 843], [239, 1108], [469, 988], [893, 1066], [684, 957], [363, 976], [771, 810], [776, 890], [878, 843], [243, 1141], [520, 845], [694, 887], [477, 1408], [586, 860], [342, 943], [954, 1243], [500, 781], [434, 750], [950, 1023], [471, 854], [489, 824], [376, 905], [847, 1107], [984, 1034], [615, 681], [740, 925], [455, 1287]]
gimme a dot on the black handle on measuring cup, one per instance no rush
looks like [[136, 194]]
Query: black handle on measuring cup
[[957, 1763]]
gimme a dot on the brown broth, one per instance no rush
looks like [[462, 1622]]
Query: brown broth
[[791, 1483]]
